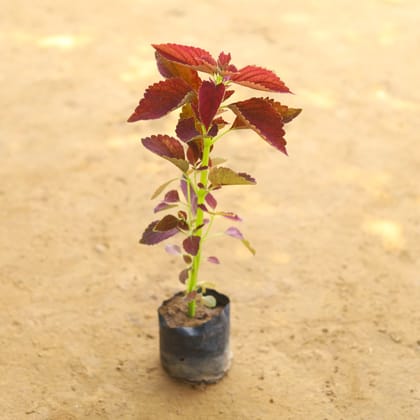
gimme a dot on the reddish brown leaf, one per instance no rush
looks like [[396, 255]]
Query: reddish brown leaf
[[152, 237], [195, 151], [288, 114], [228, 94], [161, 98], [186, 130], [169, 69], [259, 78], [193, 57], [168, 148], [259, 115], [183, 275], [191, 245], [210, 97], [169, 222]]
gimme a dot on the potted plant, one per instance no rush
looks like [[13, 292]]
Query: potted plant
[[194, 324]]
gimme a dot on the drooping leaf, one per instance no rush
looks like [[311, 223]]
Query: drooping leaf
[[191, 245], [229, 215], [172, 196], [161, 98], [193, 57], [260, 115], [183, 275], [185, 187], [210, 97], [211, 201], [163, 206], [169, 222], [169, 69], [213, 260], [256, 77], [225, 176], [152, 237], [161, 188], [167, 147], [173, 249], [234, 232]]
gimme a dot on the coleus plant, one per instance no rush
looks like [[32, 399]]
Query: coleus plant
[[201, 124]]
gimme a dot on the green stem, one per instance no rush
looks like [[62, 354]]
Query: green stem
[[201, 195]]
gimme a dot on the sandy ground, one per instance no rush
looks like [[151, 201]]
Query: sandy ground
[[325, 318]]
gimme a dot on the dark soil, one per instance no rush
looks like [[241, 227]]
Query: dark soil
[[175, 312]]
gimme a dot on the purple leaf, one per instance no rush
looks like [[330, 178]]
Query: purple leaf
[[234, 232], [173, 249], [193, 196], [152, 237], [213, 260], [211, 201], [163, 206], [191, 245], [171, 196], [202, 207]]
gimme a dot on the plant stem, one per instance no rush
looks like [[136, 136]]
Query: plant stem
[[201, 195]]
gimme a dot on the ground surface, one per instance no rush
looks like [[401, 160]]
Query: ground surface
[[325, 318]]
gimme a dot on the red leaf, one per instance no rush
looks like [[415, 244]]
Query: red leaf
[[169, 69], [259, 78], [152, 237], [197, 58], [260, 115], [210, 97], [160, 99], [223, 60], [168, 148], [191, 245]]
